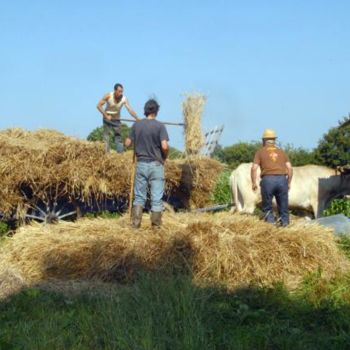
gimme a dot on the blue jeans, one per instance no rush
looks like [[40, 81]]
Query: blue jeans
[[149, 174], [114, 128], [275, 186]]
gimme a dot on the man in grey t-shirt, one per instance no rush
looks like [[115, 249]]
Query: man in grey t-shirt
[[150, 139]]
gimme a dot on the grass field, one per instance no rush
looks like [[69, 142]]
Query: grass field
[[167, 311]]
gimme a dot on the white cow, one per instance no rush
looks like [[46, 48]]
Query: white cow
[[312, 188]]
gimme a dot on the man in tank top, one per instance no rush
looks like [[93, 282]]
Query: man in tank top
[[276, 176], [110, 106]]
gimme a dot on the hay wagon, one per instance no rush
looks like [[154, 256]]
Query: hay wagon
[[47, 176]]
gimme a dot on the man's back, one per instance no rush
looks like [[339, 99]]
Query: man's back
[[272, 160], [147, 136]]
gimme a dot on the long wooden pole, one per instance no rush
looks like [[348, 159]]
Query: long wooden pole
[[132, 183], [111, 122]]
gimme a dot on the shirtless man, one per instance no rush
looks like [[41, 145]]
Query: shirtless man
[[113, 103]]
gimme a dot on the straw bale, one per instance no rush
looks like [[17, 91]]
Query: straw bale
[[48, 165], [228, 249], [192, 109], [10, 282]]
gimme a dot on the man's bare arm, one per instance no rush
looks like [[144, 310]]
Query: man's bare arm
[[130, 110], [289, 173], [165, 148], [128, 142], [100, 106], [253, 175]]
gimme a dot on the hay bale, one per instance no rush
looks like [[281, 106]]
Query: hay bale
[[192, 109], [47, 165], [228, 249], [11, 282]]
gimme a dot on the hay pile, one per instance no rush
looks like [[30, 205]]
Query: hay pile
[[228, 249], [48, 165], [192, 109]]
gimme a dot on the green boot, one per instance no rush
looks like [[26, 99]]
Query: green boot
[[156, 218], [137, 211]]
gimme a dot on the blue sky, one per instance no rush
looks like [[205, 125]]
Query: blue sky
[[262, 64]]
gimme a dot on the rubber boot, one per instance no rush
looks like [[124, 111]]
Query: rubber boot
[[137, 211], [156, 218]]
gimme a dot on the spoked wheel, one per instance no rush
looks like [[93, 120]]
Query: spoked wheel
[[50, 214]]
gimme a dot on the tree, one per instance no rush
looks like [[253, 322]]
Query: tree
[[300, 156], [242, 152], [334, 148], [218, 153]]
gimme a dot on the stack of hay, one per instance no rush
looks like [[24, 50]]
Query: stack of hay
[[192, 109], [227, 249], [48, 165]]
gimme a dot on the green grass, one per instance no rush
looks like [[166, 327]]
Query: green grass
[[103, 215], [222, 191], [167, 311], [170, 312], [4, 228], [338, 206], [344, 244]]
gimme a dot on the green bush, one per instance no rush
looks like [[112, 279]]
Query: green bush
[[238, 153], [299, 156], [243, 152], [222, 191], [103, 215], [4, 228], [333, 148], [338, 206]]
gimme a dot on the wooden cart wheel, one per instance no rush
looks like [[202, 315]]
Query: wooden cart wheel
[[50, 214]]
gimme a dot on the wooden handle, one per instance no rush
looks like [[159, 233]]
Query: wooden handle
[[132, 182]]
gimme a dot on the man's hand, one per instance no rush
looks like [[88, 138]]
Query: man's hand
[[289, 173], [254, 187], [164, 149], [107, 116], [127, 142]]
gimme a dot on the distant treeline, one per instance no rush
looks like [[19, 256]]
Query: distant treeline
[[332, 150], [243, 152]]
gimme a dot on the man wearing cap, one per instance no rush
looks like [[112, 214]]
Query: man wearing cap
[[114, 102], [276, 176]]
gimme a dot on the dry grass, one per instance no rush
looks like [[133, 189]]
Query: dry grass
[[10, 282], [192, 109], [228, 249], [48, 165]]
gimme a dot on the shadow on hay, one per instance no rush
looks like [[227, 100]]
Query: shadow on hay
[[125, 268], [180, 196]]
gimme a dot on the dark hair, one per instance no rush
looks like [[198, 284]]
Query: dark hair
[[118, 85], [151, 107]]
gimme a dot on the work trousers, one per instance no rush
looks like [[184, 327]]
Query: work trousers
[[114, 129], [149, 174], [275, 186]]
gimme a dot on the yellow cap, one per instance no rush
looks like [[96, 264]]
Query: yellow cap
[[269, 134]]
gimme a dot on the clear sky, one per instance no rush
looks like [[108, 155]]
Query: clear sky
[[262, 64]]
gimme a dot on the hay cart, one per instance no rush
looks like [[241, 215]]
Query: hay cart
[[47, 176]]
